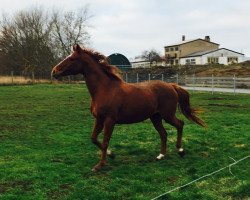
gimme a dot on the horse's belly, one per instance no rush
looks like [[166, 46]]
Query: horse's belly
[[134, 115], [138, 104], [131, 120]]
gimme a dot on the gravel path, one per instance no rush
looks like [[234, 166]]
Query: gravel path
[[231, 90]]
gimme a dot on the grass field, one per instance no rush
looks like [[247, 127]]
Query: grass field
[[46, 151]]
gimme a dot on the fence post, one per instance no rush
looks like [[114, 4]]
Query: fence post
[[212, 84], [162, 77], [51, 78], [33, 77], [234, 81], [149, 77], [68, 79], [126, 77], [177, 78], [12, 77], [137, 78], [193, 81]]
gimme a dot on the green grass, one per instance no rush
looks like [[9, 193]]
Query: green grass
[[46, 151]]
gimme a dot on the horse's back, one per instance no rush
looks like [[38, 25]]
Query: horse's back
[[142, 100], [159, 89], [167, 97]]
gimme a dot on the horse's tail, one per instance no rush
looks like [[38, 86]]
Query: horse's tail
[[184, 105]]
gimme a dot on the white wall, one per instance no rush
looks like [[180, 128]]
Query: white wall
[[198, 60], [142, 64], [223, 60], [203, 60], [222, 54], [182, 61]]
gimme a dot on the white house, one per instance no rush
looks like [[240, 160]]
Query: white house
[[136, 63], [140, 63], [220, 56]]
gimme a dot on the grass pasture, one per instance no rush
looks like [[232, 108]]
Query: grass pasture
[[46, 151]]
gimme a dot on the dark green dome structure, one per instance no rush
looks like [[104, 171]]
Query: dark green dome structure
[[119, 60]]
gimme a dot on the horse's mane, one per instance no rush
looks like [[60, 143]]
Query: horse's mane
[[112, 71]]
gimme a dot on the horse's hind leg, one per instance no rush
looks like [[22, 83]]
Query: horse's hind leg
[[178, 124], [157, 122]]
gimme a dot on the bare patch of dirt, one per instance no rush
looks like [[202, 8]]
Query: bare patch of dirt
[[216, 98], [238, 70], [226, 105], [23, 185], [60, 192]]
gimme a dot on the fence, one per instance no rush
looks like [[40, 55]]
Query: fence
[[32, 78], [193, 81]]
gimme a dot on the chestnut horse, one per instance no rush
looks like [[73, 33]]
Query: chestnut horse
[[117, 102]]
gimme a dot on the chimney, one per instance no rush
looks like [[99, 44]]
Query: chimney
[[183, 37], [207, 38]]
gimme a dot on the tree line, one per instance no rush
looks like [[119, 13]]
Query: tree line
[[34, 40]]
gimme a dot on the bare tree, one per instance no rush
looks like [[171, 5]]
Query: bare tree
[[35, 39], [70, 28], [150, 55], [25, 40]]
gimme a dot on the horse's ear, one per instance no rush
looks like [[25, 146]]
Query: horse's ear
[[76, 48]]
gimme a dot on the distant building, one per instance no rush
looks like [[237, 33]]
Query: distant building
[[200, 52], [119, 60], [140, 63], [218, 56]]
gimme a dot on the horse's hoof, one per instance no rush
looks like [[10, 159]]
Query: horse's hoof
[[181, 152], [94, 170], [160, 157], [98, 167], [112, 156]]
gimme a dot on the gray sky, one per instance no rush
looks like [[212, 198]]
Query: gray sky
[[131, 26]]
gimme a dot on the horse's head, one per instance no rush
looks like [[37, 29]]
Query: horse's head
[[71, 65]]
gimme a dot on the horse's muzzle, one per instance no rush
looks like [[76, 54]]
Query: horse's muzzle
[[55, 74]]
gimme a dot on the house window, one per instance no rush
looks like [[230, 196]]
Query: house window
[[212, 60], [167, 49], [187, 61], [171, 49], [232, 60], [190, 61], [176, 48]]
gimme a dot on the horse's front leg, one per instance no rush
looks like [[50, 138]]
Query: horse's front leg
[[108, 129], [96, 131]]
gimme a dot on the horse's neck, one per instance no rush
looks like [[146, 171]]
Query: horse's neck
[[96, 80]]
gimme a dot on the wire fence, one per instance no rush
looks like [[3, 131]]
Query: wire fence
[[204, 176], [232, 82], [193, 81]]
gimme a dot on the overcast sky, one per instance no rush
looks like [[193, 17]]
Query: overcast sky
[[131, 26]]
